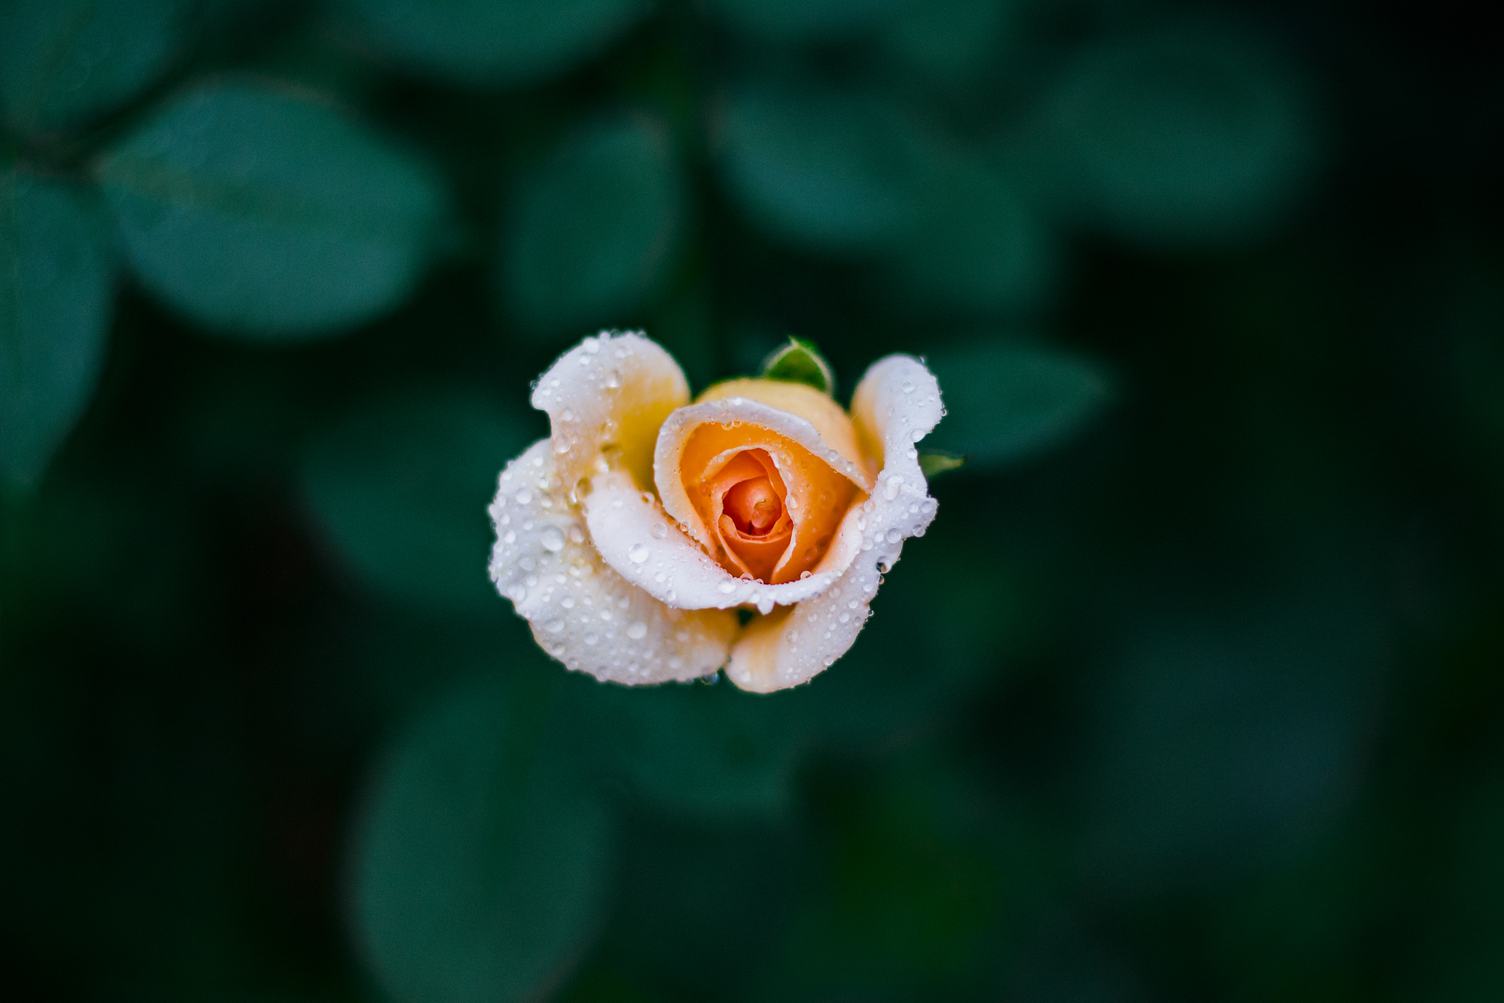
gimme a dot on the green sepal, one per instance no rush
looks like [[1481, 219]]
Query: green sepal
[[932, 464], [800, 362]]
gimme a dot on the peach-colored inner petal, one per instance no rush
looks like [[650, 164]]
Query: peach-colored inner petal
[[772, 506], [753, 506]]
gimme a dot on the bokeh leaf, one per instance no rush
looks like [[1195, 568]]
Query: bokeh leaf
[[266, 214], [1007, 401], [1191, 134], [63, 61], [978, 244], [399, 487], [479, 865], [948, 42], [56, 279], [483, 41], [831, 169], [593, 229]]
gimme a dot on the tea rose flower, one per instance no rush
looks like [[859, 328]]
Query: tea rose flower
[[650, 539]]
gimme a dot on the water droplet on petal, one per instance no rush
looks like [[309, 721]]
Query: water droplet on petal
[[637, 553], [637, 631], [552, 540]]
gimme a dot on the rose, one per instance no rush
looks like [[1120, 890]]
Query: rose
[[632, 535]]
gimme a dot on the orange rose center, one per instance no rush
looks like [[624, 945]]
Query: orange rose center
[[762, 504], [753, 506]]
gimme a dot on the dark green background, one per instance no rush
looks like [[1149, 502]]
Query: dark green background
[[1193, 691]]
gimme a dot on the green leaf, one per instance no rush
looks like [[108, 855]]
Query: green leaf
[[1005, 402], [934, 464], [800, 362], [270, 215], [399, 487], [951, 42], [483, 41], [607, 211], [835, 170], [1184, 135], [479, 862], [64, 61], [978, 243], [56, 281]]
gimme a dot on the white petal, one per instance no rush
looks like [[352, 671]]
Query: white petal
[[647, 548], [675, 433], [896, 405], [580, 611], [609, 395]]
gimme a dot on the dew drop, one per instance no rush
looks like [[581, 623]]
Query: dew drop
[[552, 540], [637, 553], [637, 631]]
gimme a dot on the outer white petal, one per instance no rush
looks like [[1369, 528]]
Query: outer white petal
[[647, 548], [609, 395], [674, 436], [580, 611], [896, 405]]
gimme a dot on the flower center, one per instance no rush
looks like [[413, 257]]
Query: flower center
[[753, 506]]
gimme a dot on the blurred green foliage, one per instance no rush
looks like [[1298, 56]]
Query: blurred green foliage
[[1192, 691]]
